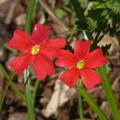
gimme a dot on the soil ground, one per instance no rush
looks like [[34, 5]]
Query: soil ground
[[54, 99]]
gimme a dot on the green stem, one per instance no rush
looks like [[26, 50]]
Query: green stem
[[15, 52], [11, 83], [6, 88], [35, 90], [105, 83], [109, 94], [29, 16], [30, 106], [92, 103], [71, 32], [79, 13], [80, 108]]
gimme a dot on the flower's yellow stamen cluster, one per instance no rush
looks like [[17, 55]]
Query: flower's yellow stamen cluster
[[35, 50], [80, 64]]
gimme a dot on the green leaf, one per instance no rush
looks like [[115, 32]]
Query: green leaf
[[81, 25], [107, 67], [105, 49], [66, 2], [60, 13], [105, 14], [92, 24], [109, 94], [91, 102]]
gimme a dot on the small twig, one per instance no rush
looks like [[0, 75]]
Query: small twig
[[51, 13], [11, 12], [115, 82]]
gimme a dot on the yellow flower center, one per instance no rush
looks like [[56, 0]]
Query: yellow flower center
[[35, 50], [80, 64]]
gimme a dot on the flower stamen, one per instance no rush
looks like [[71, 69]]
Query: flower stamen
[[80, 64], [35, 50]]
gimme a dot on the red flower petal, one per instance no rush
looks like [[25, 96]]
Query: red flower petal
[[95, 59], [51, 47], [40, 33], [70, 77], [81, 49], [66, 59], [43, 66], [21, 41], [90, 78], [21, 62]]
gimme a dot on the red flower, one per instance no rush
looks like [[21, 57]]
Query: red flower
[[36, 50], [81, 64]]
